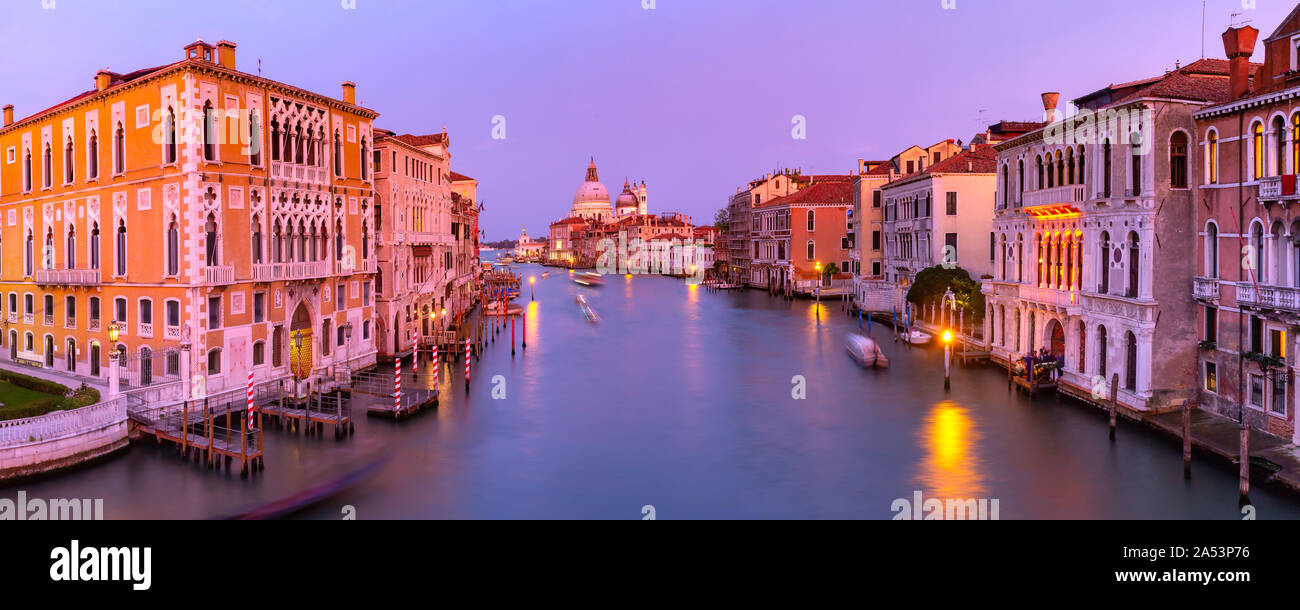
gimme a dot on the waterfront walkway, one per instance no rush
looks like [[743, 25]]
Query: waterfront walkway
[[1221, 436], [70, 380]]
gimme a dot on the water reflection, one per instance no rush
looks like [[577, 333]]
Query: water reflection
[[951, 468]]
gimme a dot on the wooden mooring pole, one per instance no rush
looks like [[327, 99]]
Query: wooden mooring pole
[[1114, 400], [1244, 484], [1187, 440]]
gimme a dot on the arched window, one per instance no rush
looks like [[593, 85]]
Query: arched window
[[1006, 186], [1212, 156], [1279, 146], [1295, 254], [1016, 329], [1134, 264], [1083, 175], [1130, 361], [94, 246], [1257, 252], [210, 241], [92, 156], [1051, 172], [277, 243], [1069, 165], [257, 240], [27, 171], [275, 139], [299, 144], [209, 132], [71, 256], [1020, 177], [1020, 257], [302, 241], [311, 149], [1003, 243], [173, 248], [365, 155], [1277, 258], [812, 223], [254, 139], [169, 136], [1103, 264], [1135, 165], [338, 240], [312, 249], [1060, 169], [1101, 351], [146, 366], [287, 153], [1295, 143], [119, 150], [121, 247], [1042, 260], [338, 154], [1257, 149], [68, 163], [1105, 168], [1212, 250], [47, 257], [47, 170], [812, 250], [365, 241], [29, 253], [1040, 171], [1178, 160]]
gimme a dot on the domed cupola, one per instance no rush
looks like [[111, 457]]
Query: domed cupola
[[627, 202], [592, 200]]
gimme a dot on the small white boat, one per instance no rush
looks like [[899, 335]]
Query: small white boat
[[917, 337], [865, 351]]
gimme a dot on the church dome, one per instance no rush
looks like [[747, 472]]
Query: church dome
[[592, 200], [627, 200]]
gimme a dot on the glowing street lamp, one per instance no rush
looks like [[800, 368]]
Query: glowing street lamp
[[818, 267], [947, 358], [113, 331], [532, 294]]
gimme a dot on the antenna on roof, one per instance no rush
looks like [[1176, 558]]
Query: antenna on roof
[[1202, 29], [259, 67]]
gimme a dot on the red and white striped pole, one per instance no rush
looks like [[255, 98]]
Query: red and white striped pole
[[435, 369], [415, 356], [524, 323], [250, 395], [397, 387], [467, 359]]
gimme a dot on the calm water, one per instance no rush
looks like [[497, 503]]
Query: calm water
[[681, 399]]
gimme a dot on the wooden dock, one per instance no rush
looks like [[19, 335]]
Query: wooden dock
[[413, 401], [207, 434]]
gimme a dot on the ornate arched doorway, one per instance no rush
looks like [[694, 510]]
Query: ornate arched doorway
[[1055, 338], [300, 339]]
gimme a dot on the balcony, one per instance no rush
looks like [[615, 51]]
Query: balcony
[[1277, 187], [93, 325], [270, 272], [68, 277], [350, 268], [217, 276], [299, 173], [1205, 289], [171, 332], [146, 330], [1073, 193], [49, 319], [1269, 297], [1051, 297]]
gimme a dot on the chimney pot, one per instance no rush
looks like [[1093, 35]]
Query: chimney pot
[[102, 79], [226, 54], [1049, 105], [9, 114], [1239, 44], [349, 92]]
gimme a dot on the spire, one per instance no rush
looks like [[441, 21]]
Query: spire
[[591, 171]]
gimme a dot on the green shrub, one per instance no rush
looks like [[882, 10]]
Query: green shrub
[[34, 383], [40, 407]]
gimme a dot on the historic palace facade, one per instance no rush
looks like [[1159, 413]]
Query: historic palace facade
[[216, 220]]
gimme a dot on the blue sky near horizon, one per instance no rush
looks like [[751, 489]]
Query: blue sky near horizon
[[693, 96]]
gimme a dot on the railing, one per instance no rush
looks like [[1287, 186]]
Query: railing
[[1205, 288], [93, 324], [360, 267], [290, 271], [70, 322], [1276, 297], [29, 318], [1050, 296], [219, 275], [1071, 193], [298, 172], [70, 277], [61, 424], [1270, 187], [146, 330], [171, 332], [49, 319]]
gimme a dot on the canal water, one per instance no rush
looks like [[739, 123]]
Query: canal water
[[682, 400]]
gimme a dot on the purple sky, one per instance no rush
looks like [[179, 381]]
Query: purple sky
[[695, 96]]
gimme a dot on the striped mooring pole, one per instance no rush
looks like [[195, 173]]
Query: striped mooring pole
[[467, 359], [435, 370], [397, 387], [250, 395]]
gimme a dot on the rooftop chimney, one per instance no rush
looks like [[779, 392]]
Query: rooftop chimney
[[226, 54], [350, 92], [1049, 105], [9, 115], [1239, 44], [102, 80]]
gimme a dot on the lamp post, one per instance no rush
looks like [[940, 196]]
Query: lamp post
[[947, 358], [532, 295], [347, 350], [114, 368], [818, 267]]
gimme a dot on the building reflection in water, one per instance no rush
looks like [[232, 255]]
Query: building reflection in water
[[952, 467]]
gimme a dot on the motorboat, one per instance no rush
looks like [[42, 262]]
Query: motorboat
[[589, 279], [865, 351], [587, 311], [917, 337]]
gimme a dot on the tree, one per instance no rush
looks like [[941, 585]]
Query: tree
[[722, 219], [931, 284], [830, 269]]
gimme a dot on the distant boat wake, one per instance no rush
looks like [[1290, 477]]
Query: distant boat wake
[[313, 495]]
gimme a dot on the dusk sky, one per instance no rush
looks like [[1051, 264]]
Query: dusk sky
[[695, 97]]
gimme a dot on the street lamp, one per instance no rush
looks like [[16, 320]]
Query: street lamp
[[532, 295], [947, 358], [818, 288], [113, 331], [347, 349]]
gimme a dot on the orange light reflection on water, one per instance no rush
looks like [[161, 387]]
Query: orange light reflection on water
[[952, 467]]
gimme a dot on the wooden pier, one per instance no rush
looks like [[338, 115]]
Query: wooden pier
[[314, 411], [213, 433]]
